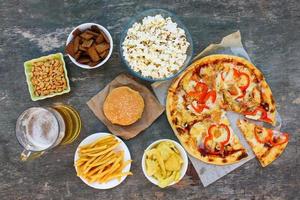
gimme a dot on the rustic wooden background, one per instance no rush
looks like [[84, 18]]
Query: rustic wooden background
[[30, 29]]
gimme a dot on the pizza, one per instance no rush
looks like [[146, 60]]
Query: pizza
[[266, 144], [204, 92]]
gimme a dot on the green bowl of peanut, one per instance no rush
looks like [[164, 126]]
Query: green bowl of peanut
[[47, 76]]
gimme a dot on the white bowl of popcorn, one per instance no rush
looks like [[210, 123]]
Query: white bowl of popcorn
[[156, 46]]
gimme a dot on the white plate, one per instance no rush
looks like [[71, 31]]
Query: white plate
[[182, 154], [122, 146]]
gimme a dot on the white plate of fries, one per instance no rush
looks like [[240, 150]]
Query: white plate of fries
[[102, 161]]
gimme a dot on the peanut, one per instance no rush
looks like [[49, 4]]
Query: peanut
[[48, 77]]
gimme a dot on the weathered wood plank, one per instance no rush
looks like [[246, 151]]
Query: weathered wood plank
[[270, 31]]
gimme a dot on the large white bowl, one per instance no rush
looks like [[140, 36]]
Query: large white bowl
[[122, 146], [83, 27], [182, 153]]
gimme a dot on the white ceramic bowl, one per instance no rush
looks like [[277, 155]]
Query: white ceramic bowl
[[182, 153], [114, 182], [83, 27]]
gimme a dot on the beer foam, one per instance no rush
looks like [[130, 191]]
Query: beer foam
[[41, 128]]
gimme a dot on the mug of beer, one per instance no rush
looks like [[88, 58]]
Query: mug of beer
[[40, 129]]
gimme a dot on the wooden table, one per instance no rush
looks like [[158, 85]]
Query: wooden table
[[30, 29]]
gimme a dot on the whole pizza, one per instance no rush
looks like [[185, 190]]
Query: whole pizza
[[198, 99]]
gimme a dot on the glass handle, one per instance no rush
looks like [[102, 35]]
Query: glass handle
[[29, 155]]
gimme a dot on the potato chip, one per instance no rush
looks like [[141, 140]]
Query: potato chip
[[167, 181], [151, 166], [165, 150], [173, 163]]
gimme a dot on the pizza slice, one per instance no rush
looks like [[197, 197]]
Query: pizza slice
[[245, 90], [214, 142], [200, 96], [266, 144]]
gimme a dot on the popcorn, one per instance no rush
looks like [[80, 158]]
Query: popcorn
[[156, 47]]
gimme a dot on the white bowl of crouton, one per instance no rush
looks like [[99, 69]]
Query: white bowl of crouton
[[89, 45]]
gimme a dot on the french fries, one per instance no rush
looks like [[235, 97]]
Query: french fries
[[100, 162]]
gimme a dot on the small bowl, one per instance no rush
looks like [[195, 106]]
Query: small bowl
[[83, 27], [138, 19], [182, 154], [28, 73]]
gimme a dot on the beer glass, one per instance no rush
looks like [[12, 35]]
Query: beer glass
[[40, 129]]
